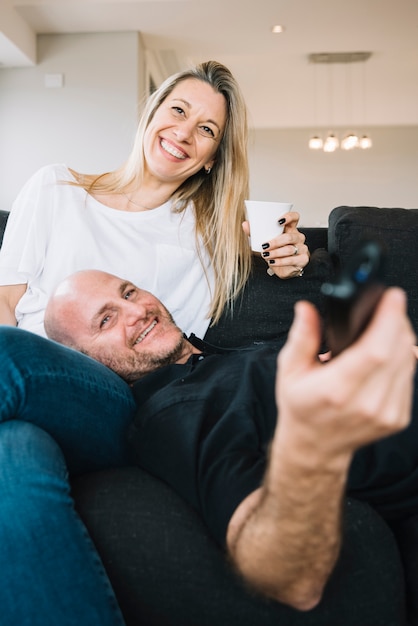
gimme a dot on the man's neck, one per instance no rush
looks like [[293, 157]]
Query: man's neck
[[187, 351]]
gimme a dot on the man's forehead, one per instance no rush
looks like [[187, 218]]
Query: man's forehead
[[100, 283]]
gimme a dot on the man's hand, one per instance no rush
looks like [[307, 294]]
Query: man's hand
[[285, 537], [360, 396]]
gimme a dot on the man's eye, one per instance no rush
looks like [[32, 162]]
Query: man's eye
[[104, 321], [128, 294]]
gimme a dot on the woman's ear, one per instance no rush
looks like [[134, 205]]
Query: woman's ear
[[209, 165]]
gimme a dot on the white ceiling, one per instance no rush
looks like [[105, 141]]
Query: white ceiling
[[278, 81]]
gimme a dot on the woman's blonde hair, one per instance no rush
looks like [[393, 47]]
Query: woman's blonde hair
[[218, 197]]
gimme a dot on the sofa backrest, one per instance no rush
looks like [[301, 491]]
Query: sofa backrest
[[316, 237], [396, 229], [3, 220]]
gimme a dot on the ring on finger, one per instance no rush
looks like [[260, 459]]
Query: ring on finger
[[296, 250]]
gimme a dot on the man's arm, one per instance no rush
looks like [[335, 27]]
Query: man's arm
[[286, 541], [9, 297], [285, 537]]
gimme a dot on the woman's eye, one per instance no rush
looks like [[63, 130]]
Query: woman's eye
[[178, 110], [207, 131]]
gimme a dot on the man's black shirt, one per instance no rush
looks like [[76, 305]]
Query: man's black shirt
[[204, 428]]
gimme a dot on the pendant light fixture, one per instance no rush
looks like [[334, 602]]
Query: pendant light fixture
[[331, 143], [364, 142], [350, 140], [315, 142]]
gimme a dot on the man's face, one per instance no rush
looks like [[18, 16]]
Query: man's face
[[125, 328]]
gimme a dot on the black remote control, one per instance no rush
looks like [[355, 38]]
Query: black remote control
[[351, 299]]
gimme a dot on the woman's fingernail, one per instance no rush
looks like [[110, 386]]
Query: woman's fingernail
[[266, 254], [282, 221], [271, 261], [265, 245]]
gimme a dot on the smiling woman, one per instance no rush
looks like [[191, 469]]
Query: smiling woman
[[169, 219]]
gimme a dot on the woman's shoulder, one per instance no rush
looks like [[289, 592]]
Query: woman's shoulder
[[54, 172], [45, 176], [36, 190]]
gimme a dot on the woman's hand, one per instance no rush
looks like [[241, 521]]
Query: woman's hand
[[287, 254], [9, 297]]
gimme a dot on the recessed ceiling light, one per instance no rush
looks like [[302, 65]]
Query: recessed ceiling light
[[277, 28]]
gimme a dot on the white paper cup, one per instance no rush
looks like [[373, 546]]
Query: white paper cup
[[263, 218]]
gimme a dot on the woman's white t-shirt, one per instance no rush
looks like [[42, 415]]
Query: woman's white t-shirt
[[56, 229]]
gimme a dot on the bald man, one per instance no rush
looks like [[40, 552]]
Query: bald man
[[271, 490]]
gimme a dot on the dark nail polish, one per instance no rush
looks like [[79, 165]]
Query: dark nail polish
[[271, 261], [282, 221], [266, 254], [265, 245]]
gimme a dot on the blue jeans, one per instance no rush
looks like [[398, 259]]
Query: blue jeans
[[60, 412]]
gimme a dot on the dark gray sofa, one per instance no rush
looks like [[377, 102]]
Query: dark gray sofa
[[163, 565]]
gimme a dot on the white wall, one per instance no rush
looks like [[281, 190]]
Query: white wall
[[88, 123], [283, 168]]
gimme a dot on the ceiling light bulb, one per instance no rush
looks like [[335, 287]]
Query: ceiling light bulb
[[277, 28], [331, 143], [315, 143], [365, 142], [350, 141]]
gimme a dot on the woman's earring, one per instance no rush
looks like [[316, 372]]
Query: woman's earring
[[208, 171]]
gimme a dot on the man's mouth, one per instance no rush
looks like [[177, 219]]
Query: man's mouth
[[168, 147], [145, 332]]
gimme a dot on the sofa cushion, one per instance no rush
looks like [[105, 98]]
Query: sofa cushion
[[264, 311], [395, 228], [167, 571]]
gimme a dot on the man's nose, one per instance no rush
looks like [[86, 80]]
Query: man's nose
[[133, 313]]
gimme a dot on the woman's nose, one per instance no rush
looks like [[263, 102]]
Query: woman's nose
[[184, 131]]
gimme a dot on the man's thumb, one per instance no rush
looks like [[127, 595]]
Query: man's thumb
[[304, 337]]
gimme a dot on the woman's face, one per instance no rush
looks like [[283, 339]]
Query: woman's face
[[185, 132]]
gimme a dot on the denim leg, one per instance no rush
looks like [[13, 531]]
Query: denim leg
[[82, 404], [51, 574]]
